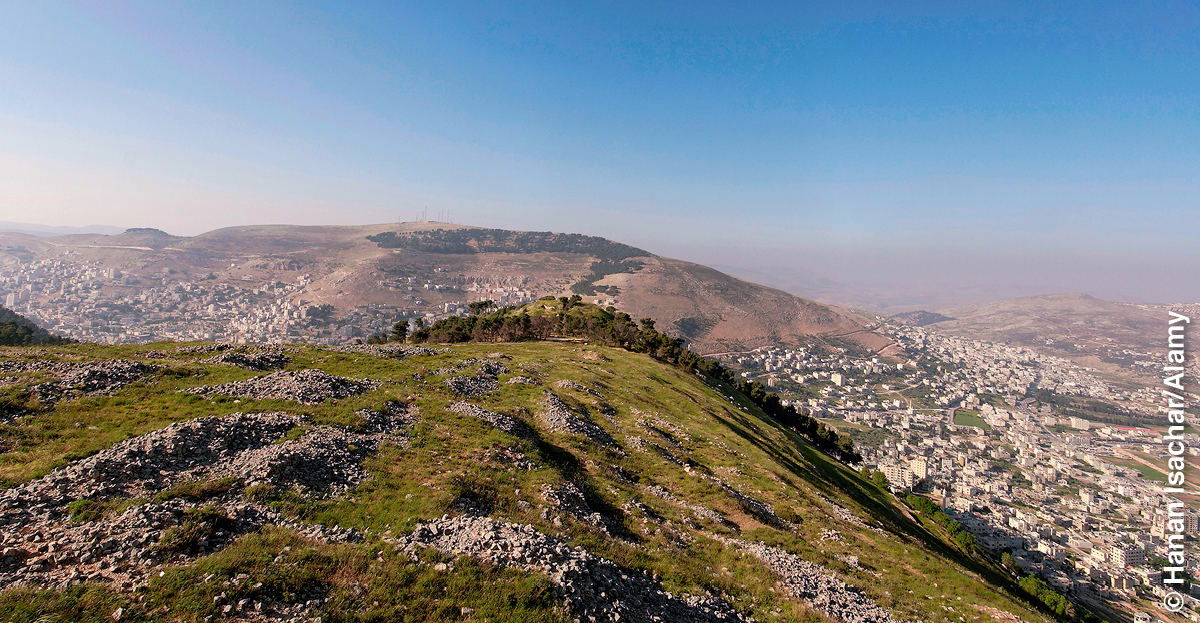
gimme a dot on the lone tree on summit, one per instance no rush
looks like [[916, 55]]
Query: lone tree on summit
[[399, 331]]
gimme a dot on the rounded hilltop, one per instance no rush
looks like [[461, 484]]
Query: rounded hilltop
[[532, 480]]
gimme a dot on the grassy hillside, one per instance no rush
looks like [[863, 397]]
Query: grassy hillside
[[670, 477]]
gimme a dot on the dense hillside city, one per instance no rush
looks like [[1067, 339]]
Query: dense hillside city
[[1039, 458], [83, 300]]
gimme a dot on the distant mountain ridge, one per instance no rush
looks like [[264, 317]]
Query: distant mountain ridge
[[34, 229], [433, 267]]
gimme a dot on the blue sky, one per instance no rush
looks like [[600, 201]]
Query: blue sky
[[1037, 146]]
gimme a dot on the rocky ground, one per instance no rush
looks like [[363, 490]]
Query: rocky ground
[[472, 386], [506, 423], [592, 589], [394, 351], [483, 382], [558, 416], [176, 493], [258, 359], [570, 498], [816, 585], [304, 386], [75, 379]]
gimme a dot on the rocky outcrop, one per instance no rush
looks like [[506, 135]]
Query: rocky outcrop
[[393, 351], [472, 386], [96, 378], [191, 473], [815, 585], [308, 387], [593, 589], [261, 360], [506, 423], [558, 416]]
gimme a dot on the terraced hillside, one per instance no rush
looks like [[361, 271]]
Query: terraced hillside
[[534, 481]]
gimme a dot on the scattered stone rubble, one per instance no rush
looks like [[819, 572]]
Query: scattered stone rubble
[[593, 589], [699, 510], [472, 386], [569, 384], [201, 349], [484, 382], [641, 445], [145, 465], [487, 368], [853, 563], [760, 510], [304, 386], [523, 380], [256, 359], [559, 417], [491, 368], [325, 460], [506, 423], [815, 584], [569, 498], [394, 351], [845, 515], [42, 546], [673, 434], [93, 378], [509, 458]]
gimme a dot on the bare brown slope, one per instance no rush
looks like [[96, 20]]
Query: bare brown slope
[[1069, 318], [719, 313], [1089, 330]]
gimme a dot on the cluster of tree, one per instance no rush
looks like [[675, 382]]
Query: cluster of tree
[[926, 507], [17, 330], [399, 334], [467, 241], [1039, 590], [613, 328], [1043, 593], [600, 270]]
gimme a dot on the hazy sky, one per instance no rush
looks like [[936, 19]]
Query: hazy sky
[[911, 153]]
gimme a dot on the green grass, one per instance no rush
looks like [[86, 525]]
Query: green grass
[[368, 582], [92, 510], [87, 603], [963, 417], [451, 456], [1148, 473]]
